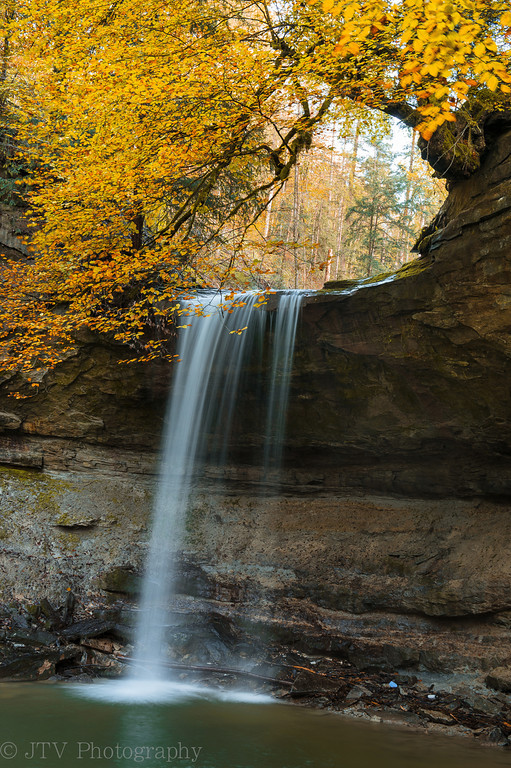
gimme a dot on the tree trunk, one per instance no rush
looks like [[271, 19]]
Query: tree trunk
[[340, 261], [328, 264], [267, 226], [137, 235], [405, 238], [296, 214], [372, 238], [456, 149], [354, 157]]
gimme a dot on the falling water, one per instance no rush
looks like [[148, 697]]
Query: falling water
[[214, 351], [280, 377]]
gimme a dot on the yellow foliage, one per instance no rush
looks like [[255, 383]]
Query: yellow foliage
[[147, 126], [459, 41]]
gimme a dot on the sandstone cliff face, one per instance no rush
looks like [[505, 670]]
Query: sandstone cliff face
[[388, 542]]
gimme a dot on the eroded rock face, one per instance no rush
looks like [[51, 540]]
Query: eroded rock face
[[92, 397], [415, 371], [388, 543]]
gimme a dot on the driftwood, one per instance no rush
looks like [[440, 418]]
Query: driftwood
[[219, 670]]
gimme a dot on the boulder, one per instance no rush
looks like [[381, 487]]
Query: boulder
[[500, 679]]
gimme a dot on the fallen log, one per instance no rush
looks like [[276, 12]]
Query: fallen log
[[218, 670]]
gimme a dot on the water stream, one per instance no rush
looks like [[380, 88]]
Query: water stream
[[285, 324], [214, 347]]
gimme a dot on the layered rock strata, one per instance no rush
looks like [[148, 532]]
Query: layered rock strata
[[388, 540]]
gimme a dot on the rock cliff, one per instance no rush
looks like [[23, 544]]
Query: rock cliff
[[388, 541]]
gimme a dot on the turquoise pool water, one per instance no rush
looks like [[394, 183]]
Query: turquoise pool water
[[59, 726]]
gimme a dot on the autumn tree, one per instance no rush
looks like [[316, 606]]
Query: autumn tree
[[153, 129]]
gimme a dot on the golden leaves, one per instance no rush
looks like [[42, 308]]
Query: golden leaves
[[479, 50], [123, 118], [439, 47]]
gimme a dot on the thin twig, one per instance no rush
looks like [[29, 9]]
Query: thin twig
[[221, 670]]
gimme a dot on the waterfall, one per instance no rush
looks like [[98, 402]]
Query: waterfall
[[280, 376], [213, 347]]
